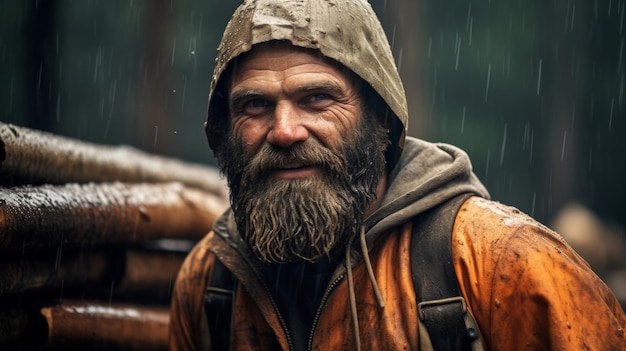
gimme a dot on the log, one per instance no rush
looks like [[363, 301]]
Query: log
[[56, 275], [149, 276], [127, 274], [93, 325], [29, 156], [85, 215]]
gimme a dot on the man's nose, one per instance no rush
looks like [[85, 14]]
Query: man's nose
[[287, 128]]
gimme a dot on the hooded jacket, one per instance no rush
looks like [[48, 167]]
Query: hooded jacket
[[525, 286]]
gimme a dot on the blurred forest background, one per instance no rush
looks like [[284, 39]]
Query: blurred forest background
[[532, 90]]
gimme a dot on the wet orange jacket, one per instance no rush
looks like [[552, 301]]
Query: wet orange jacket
[[525, 286]]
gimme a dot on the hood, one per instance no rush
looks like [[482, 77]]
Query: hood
[[427, 174], [346, 31]]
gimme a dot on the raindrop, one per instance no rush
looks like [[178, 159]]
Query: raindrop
[[532, 141], [503, 144], [621, 92], [39, 75], [57, 262], [458, 53], [488, 81], [532, 207], [156, 135], [571, 26], [539, 77], [173, 51], [182, 107], [111, 292], [526, 135], [471, 30], [58, 107], [611, 113], [97, 63], [463, 121], [563, 146]]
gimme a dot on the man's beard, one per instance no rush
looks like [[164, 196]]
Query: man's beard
[[286, 220]]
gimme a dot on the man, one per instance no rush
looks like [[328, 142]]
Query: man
[[307, 119]]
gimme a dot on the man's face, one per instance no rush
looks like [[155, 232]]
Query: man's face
[[303, 161], [281, 96]]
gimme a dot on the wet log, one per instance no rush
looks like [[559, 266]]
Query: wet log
[[30, 156], [113, 273], [149, 276], [93, 325], [87, 215], [59, 274]]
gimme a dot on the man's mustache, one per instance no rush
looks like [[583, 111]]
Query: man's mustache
[[309, 153]]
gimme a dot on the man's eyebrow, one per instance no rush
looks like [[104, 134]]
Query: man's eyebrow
[[239, 96], [325, 86]]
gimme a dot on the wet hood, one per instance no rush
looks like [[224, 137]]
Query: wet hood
[[427, 175]]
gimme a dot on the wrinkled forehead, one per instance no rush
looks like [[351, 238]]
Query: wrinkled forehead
[[279, 50]]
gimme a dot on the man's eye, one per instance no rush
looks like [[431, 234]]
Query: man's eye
[[319, 97], [256, 103], [255, 106]]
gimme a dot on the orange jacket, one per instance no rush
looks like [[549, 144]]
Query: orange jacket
[[525, 286]]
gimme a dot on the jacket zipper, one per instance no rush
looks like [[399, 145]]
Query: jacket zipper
[[267, 291], [330, 288], [280, 317]]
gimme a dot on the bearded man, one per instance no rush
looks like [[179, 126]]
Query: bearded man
[[321, 248]]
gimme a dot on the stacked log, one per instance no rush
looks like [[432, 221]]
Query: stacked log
[[91, 240]]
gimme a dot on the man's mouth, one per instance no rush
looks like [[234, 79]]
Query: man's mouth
[[296, 171]]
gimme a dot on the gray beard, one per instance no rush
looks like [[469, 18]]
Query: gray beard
[[305, 219], [293, 220]]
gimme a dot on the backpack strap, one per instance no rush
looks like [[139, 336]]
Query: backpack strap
[[218, 305], [445, 321]]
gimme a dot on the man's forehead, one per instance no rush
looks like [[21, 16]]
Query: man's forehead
[[278, 49]]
